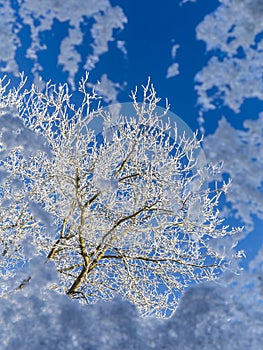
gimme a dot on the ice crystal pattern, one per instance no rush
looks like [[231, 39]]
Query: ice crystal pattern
[[127, 213]]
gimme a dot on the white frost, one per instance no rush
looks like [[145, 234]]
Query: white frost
[[242, 152], [173, 69], [210, 316], [234, 71], [40, 16]]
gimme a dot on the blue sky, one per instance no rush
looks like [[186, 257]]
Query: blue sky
[[152, 29], [55, 40]]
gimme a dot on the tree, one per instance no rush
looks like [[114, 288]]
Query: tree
[[127, 212]]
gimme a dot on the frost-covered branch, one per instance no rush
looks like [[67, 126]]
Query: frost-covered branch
[[128, 212]]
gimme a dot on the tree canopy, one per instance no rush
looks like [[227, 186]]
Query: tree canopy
[[126, 212]]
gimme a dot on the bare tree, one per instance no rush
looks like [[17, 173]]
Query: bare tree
[[128, 212]]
